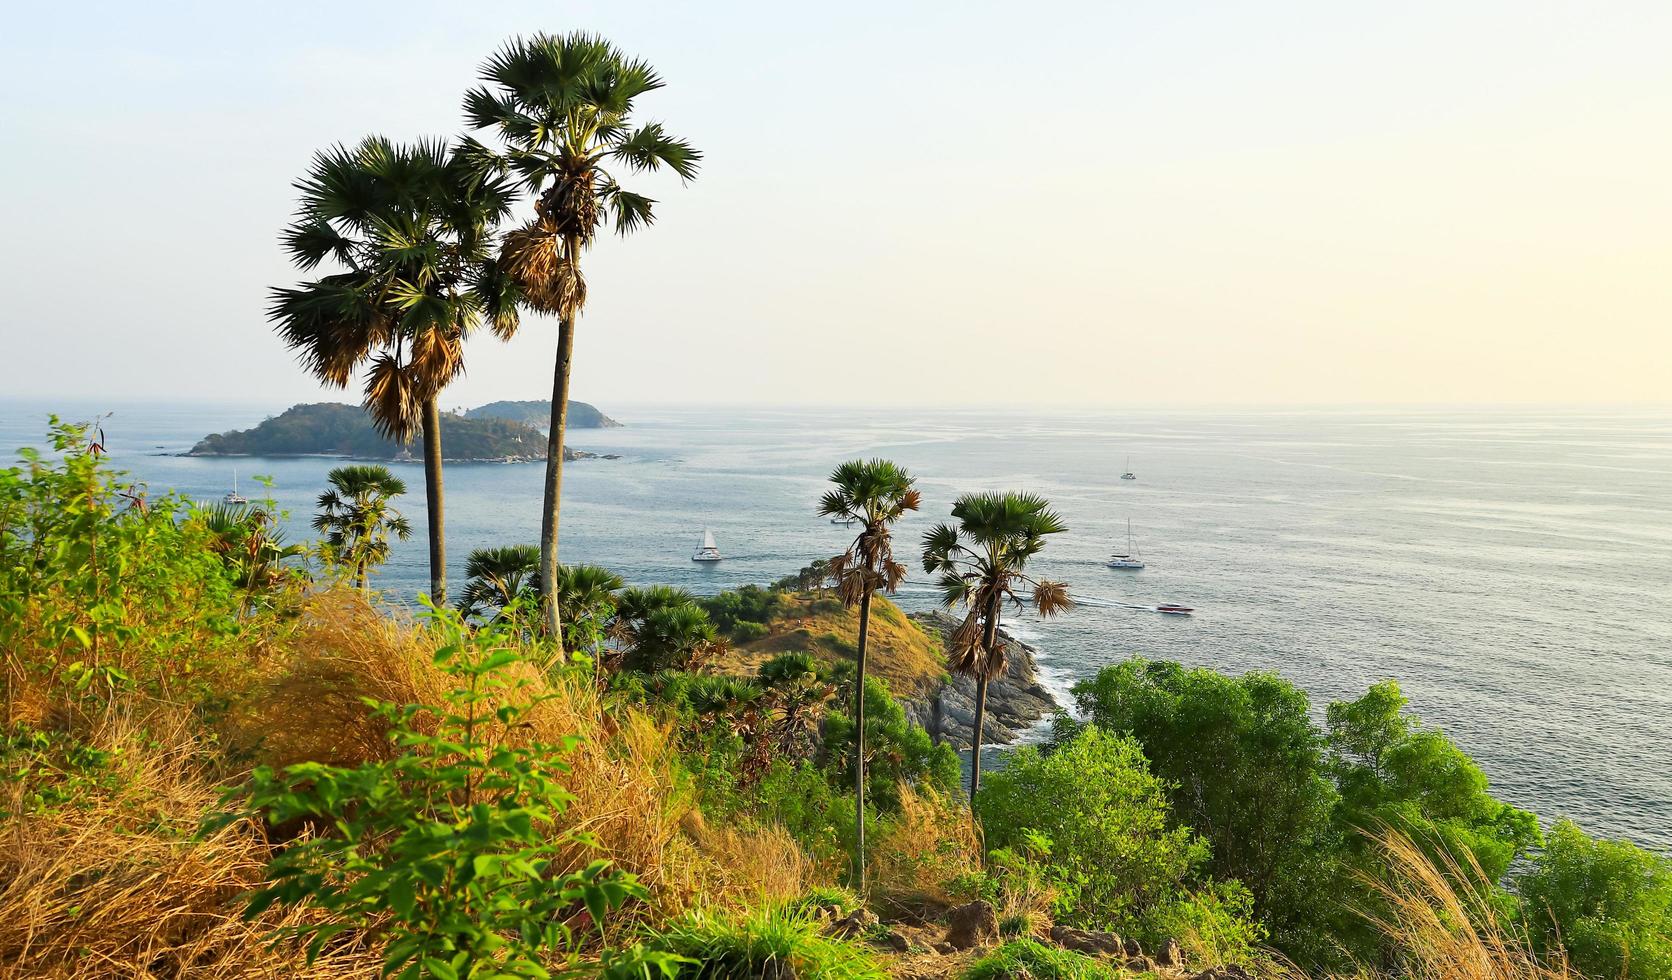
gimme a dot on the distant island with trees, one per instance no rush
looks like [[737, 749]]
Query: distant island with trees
[[538, 414], [336, 429]]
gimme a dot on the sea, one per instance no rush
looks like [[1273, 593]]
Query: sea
[[1511, 568]]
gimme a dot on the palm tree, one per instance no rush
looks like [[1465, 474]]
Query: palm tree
[[589, 593], [563, 106], [981, 564], [875, 494], [356, 517], [409, 230], [497, 577]]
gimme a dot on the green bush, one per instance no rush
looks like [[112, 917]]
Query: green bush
[[772, 941], [1031, 958], [1112, 855], [103, 588], [747, 632], [448, 848], [750, 604], [1608, 904]]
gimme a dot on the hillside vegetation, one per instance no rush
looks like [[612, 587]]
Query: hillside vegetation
[[911, 662], [220, 760]]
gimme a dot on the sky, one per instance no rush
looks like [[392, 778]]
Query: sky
[[1006, 204]]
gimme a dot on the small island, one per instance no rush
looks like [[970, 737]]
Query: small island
[[336, 429], [539, 414]]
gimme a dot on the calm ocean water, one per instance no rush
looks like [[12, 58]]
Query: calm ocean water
[[1513, 570]]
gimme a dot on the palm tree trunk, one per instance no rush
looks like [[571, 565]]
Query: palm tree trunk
[[975, 750], [989, 639], [554, 482], [859, 742], [432, 501]]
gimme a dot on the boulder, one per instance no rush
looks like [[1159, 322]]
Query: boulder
[[1230, 971], [889, 939], [1169, 954], [971, 925], [1088, 942]]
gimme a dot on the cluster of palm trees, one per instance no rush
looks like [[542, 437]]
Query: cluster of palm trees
[[419, 260], [420, 257], [981, 562]]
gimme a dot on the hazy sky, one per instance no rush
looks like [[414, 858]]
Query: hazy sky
[[1027, 203]]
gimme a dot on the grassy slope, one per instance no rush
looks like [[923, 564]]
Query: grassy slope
[[912, 662]]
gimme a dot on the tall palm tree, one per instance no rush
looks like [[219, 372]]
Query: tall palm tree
[[409, 229], [356, 517], [563, 107], [982, 565], [876, 494]]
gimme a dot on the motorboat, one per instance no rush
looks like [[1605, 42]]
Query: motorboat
[[1173, 609]]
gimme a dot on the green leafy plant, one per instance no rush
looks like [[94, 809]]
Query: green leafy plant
[[450, 847], [770, 941], [103, 588], [1606, 906], [1091, 813]]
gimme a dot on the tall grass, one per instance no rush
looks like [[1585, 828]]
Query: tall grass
[[1442, 921], [111, 879]]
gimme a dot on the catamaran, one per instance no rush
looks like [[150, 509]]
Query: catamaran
[[1130, 559], [708, 551], [1129, 475], [233, 496]]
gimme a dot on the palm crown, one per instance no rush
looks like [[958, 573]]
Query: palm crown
[[410, 228], [875, 493], [982, 563], [563, 106]]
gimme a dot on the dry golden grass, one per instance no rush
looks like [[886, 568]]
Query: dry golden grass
[[898, 651], [116, 885], [916, 854], [1441, 918]]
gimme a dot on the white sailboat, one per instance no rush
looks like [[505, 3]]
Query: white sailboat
[[1129, 475], [234, 497], [708, 551], [1130, 559]]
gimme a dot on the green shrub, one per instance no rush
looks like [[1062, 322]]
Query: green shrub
[[1246, 764], [1608, 904], [748, 632], [750, 604], [103, 588], [1212, 924], [1112, 855], [771, 941], [448, 848], [1030, 958]]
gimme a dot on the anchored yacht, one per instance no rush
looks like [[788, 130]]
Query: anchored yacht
[[708, 551]]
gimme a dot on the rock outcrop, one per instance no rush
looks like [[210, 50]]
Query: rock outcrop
[[1016, 701], [968, 926]]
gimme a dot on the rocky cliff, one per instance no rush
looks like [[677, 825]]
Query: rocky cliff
[[1016, 701]]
